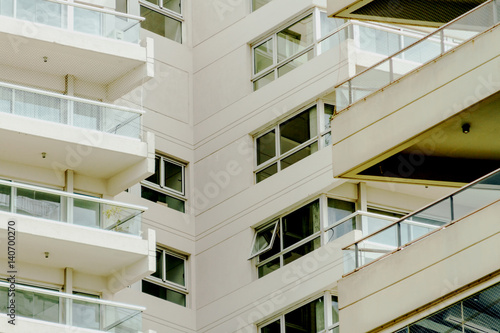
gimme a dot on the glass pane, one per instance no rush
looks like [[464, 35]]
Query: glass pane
[[274, 327], [301, 251], [473, 198], [5, 193], [121, 320], [86, 213], [264, 238], [335, 309], [327, 139], [86, 314], [154, 289], [161, 24], [174, 176], [295, 38], [159, 265], [154, 2], [39, 106], [176, 297], [329, 24], [437, 214], [267, 172], [377, 245], [256, 4], [37, 306], [269, 267], [378, 41], [268, 78], [174, 5], [175, 269], [263, 56], [341, 229], [339, 209], [327, 116], [155, 178], [308, 318], [301, 223], [275, 249], [297, 156], [422, 52], [298, 130], [334, 40], [482, 310], [88, 21], [38, 204], [291, 65], [7, 8], [161, 198], [5, 99], [266, 147], [87, 116]]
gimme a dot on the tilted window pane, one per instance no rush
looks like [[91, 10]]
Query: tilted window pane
[[155, 178], [266, 147], [308, 318], [159, 265], [264, 239], [289, 66], [173, 176], [174, 5], [267, 172], [297, 156], [338, 209], [295, 38], [263, 56], [301, 223], [175, 269], [298, 130], [275, 249]]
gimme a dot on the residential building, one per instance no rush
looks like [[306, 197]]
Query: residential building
[[249, 166]]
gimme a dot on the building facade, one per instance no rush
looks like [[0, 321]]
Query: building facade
[[249, 166]]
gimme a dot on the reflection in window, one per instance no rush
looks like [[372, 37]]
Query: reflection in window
[[292, 140], [164, 18]]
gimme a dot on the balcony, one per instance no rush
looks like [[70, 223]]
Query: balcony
[[60, 132], [417, 12], [443, 79], [425, 258], [422, 223], [36, 308], [56, 38], [93, 236]]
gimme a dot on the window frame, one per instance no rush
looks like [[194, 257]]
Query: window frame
[[179, 17], [162, 188], [322, 233], [323, 131], [163, 282], [315, 46], [327, 314]]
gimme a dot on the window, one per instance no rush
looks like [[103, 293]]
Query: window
[[292, 140], [294, 45], [295, 234], [312, 317], [169, 280], [166, 185], [163, 17]]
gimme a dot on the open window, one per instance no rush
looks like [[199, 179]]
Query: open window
[[264, 239]]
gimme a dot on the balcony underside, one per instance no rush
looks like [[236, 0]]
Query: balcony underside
[[118, 258], [102, 162], [431, 13], [106, 68], [411, 131]]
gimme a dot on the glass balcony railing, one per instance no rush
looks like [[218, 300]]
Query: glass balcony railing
[[366, 222], [423, 222], [73, 310], [74, 111], [444, 39], [75, 17], [70, 208]]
